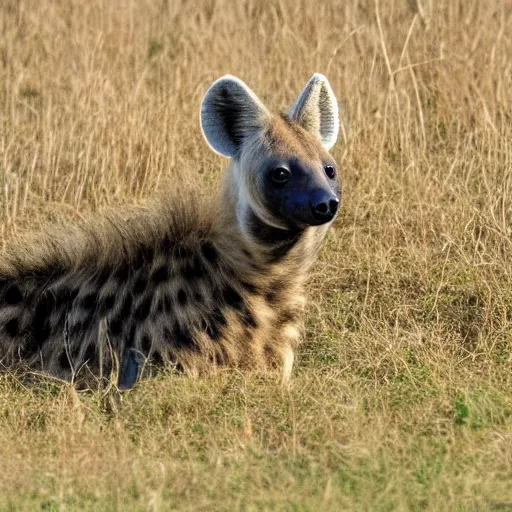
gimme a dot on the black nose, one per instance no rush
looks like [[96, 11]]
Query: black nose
[[324, 207]]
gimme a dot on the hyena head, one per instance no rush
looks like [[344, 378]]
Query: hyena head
[[281, 170]]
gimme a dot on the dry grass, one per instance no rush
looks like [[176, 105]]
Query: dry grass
[[402, 398]]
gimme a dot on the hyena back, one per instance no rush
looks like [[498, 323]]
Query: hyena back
[[195, 284]]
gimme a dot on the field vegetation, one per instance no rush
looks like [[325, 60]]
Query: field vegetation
[[402, 394]]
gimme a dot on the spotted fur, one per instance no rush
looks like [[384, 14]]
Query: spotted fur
[[195, 282]]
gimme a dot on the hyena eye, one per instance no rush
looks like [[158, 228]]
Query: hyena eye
[[330, 171], [281, 175]]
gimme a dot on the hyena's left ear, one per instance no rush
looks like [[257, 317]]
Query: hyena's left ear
[[230, 113], [316, 110]]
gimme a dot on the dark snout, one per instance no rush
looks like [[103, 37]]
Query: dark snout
[[310, 207], [324, 205], [299, 196]]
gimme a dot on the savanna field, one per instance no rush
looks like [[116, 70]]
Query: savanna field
[[401, 398]]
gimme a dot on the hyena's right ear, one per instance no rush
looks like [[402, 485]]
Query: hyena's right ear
[[230, 113], [316, 110]]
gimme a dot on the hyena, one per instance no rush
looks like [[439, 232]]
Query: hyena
[[198, 284]]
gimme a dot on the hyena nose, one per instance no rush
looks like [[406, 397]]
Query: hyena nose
[[325, 206]]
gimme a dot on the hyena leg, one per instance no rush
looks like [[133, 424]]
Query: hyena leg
[[290, 336], [281, 355], [288, 359]]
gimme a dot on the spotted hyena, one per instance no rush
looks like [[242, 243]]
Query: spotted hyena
[[194, 283]]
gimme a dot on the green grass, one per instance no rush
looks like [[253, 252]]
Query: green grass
[[240, 442]]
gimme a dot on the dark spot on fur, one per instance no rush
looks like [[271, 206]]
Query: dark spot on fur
[[137, 260], [255, 266], [64, 361], [12, 327], [104, 274], [178, 367], [286, 316], [122, 273], [183, 252], [250, 287], [271, 356], [146, 343], [232, 298], [41, 323], [274, 291], [269, 352], [115, 326], [89, 301], [219, 318], [13, 295], [144, 308], [214, 324], [64, 296], [131, 335], [248, 318], [178, 337], [140, 284], [212, 330], [126, 308], [157, 359], [182, 297], [271, 296], [144, 254], [209, 252], [166, 245], [90, 353], [182, 338], [193, 268], [107, 303], [160, 274]]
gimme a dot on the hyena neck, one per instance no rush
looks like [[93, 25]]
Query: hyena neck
[[263, 246]]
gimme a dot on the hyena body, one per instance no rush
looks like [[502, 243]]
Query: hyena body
[[192, 283]]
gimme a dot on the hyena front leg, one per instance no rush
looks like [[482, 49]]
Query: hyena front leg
[[280, 355], [290, 336]]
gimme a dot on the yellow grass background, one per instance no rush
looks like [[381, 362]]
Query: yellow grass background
[[402, 396]]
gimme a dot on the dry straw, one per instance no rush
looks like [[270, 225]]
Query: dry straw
[[402, 398]]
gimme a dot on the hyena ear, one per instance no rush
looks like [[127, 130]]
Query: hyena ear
[[316, 110], [230, 113]]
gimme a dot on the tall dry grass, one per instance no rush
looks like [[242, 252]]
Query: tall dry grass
[[402, 397]]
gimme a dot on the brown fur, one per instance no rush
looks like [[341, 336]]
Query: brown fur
[[179, 282]]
